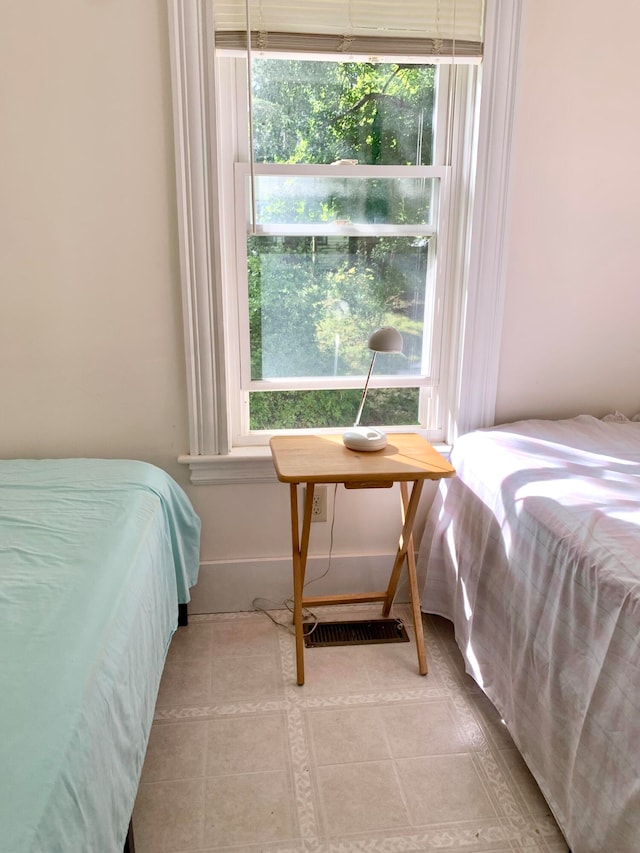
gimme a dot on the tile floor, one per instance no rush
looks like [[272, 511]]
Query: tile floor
[[366, 757]]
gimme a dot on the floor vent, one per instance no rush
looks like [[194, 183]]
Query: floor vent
[[354, 633]]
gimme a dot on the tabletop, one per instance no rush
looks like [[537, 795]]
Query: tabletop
[[325, 459]]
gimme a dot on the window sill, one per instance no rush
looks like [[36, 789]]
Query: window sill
[[244, 465], [240, 465]]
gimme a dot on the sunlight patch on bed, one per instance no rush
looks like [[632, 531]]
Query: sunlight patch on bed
[[472, 660], [452, 548], [468, 610]]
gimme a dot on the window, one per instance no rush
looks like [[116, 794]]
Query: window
[[338, 225], [309, 250]]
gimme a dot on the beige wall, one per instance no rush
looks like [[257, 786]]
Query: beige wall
[[570, 341], [91, 354]]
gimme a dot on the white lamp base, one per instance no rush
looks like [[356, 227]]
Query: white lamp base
[[364, 438]]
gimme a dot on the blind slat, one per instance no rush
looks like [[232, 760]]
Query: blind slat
[[459, 20], [420, 48]]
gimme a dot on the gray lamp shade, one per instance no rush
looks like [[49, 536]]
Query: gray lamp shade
[[385, 339]]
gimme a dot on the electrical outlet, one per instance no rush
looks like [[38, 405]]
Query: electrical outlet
[[319, 507]]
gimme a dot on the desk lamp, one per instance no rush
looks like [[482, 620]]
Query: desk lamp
[[384, 339]]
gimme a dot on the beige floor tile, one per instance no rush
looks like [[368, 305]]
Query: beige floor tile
[[246, 744], [423, 728], [192, 641], [396, 665], [335, 670], [443, 788], [358, 797], [185, 682], [176, 751], [524, 782], [169, 816], [343, 735], [249, 808], [245, 637], [258, 677]]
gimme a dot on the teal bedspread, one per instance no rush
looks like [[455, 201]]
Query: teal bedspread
[[94, 557]]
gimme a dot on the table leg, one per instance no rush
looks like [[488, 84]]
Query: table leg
[[405, 549], [413, 587], [300, 548]]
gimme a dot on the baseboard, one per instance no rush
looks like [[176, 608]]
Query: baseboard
[[234, 585]]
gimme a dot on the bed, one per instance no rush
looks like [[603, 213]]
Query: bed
[[95, 557], [533, 551]]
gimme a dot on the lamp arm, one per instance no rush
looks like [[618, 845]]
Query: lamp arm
[[366, 387]]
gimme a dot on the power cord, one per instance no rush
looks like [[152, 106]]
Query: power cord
[[330, 556], [288, 602]]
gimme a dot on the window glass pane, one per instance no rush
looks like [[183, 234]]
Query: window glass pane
[[341, 200], [313, 302], [319, 112], [323, 409]]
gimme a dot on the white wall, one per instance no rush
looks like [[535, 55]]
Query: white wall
[[571, 342], [91, 354]]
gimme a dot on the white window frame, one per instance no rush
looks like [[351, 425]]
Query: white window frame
[[233, 157], [478, 313]]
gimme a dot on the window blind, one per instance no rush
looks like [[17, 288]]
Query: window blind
[[423, 28]]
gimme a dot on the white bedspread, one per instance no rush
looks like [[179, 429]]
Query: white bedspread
[[535, 556]]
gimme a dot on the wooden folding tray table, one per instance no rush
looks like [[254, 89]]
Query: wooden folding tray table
[[313, 459]]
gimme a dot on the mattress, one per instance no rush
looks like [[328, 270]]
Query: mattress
[[533, 551], [95, 556]]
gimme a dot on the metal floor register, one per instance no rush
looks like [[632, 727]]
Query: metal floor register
[[354, 633]]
